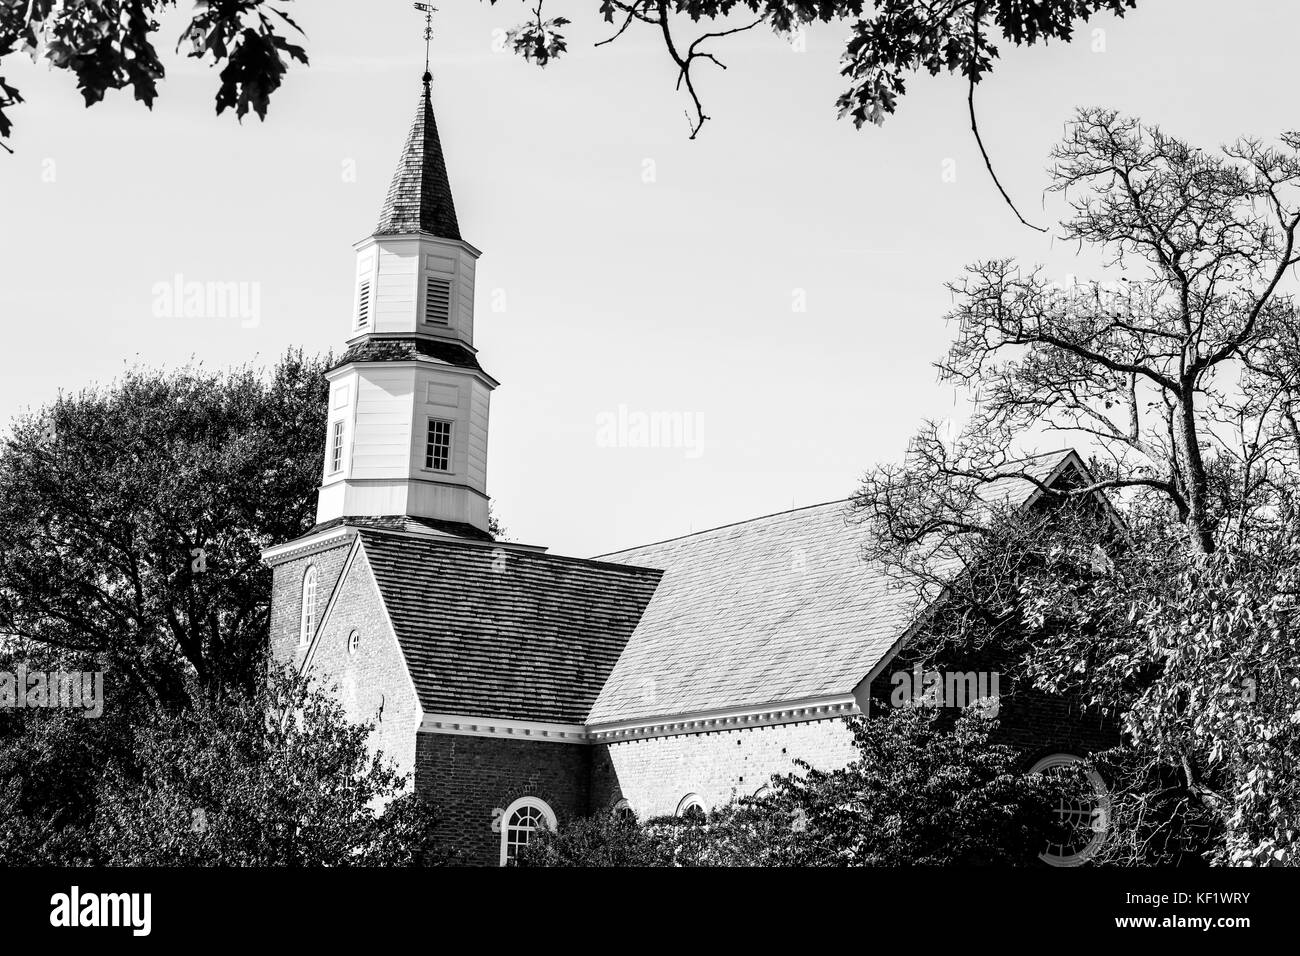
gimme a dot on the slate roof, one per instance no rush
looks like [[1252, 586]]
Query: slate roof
[[410, 349], [419, 198], [502, 633], [781, 608], [409, 524]]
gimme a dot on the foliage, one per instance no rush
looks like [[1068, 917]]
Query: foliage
[[1202, 657], [1182, 379], [1195, 656], [132, 519], [539, 41], [131, 524], [277, 779], [108, 44], [50, 764], [923, 790], [908, 36], [604, 839]]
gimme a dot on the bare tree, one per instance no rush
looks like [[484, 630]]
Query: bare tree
[[1176, 373]]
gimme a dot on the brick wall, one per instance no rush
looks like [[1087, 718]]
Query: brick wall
[[653, 774], [1034, 722], [286, 597], [372, 683], [467, 778]]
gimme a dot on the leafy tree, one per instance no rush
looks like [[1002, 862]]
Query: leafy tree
[[280, 780], [924, 790], [604, 839], [108, 44], [1202, 658], [132, 520], [1182, 379], [51, 762], [276, 779]]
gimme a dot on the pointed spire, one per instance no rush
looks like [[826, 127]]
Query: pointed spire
[[419, 199]]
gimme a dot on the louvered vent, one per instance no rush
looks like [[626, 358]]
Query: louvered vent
[[437, 301], [363, 305]]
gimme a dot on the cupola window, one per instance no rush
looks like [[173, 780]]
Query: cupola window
[[437, 447]]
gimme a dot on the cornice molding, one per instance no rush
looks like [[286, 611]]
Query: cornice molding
[[500, 727], [738, 718], [413, 363], [375, 239], [301, 548], [767, 715]]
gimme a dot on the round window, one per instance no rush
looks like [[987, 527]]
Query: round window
[[354, 641], [1088, 819]]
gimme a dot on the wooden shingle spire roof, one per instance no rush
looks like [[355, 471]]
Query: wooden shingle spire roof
[[419, 198]]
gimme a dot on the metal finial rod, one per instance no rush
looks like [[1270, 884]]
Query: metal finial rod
[[428, 10]]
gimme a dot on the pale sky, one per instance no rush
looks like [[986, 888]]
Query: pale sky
[[673, 295]]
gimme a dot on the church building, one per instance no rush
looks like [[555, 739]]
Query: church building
[[519, 688]]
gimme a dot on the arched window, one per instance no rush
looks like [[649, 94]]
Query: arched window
[[623, 811], [1090, 818], [522, 819], [307, 623], [691, 807]]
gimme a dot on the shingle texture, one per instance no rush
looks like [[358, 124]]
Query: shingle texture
[[408, 350], [494, 632], [410, 524], [419, 198], [781, 608]]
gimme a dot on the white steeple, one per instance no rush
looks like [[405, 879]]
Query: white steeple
[[408, 417]]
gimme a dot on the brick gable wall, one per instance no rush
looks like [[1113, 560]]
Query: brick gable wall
[[286, 597], [372, 683], [1035, 722]]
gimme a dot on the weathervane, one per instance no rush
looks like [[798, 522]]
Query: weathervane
[[428, 10]]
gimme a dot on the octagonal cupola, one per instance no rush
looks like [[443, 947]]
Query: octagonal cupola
[[407, 432]]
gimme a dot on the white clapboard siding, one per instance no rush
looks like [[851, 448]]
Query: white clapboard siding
[[394, 307], [463, 313], [476, 471], [381, 436]]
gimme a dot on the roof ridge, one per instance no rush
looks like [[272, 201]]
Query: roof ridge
[[517, 548], [1066, 450], [722, 527]]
